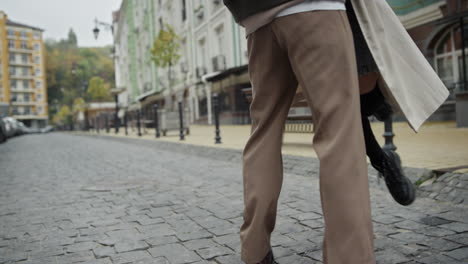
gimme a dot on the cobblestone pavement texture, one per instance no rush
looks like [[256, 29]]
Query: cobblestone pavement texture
[[81, 199]]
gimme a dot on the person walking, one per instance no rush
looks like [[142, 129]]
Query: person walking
[[310, 43], [373, 103]]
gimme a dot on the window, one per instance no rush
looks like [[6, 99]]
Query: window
[[26, 98], [12, 71], [25, 71], [184, 10], [448, 59], [11, 44], [24, 58], [36, 46], [39, 110], [24, 34], [12, 57], [24, 44], [39, 97], [38, 84], [11, 32], [25, 84], [38, 72], [13, 83], [37, 59], [37, 35]]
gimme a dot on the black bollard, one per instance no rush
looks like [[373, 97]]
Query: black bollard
[[106, 120], [125, 123], [97, 123], [156, 121], [181, 122], [388, 134], [216, 116], [139, 122]]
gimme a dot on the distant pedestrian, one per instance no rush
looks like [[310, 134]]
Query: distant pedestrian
[[310, 43]]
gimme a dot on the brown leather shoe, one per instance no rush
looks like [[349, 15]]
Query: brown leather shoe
[[269, 258]]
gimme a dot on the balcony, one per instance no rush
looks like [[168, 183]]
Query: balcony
[[21, 50], [21, 77], [21, 63], [22, 90], [23, 103]]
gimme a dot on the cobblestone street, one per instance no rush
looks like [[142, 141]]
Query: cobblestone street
[[68, 198]]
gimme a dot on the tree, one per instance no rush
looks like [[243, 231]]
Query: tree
[[165, 51], [63, 116], [72, 39], [79, 105], [98, 90]]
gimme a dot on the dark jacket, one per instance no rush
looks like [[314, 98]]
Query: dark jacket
[[241, 9]]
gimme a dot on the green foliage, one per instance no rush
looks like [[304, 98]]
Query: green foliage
[[63, 116], [69, 70], [165, 51], [98, 90], [72, 39], [79, 105]]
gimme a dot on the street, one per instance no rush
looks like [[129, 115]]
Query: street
[[69, 198]]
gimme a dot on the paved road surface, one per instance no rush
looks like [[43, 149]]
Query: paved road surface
[[79, 199]]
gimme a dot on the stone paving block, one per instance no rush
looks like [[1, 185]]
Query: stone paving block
[[191, 235], [214, 251], [155, 230], [130, 245], [456, 227], [280, 251], [80, 256], [438, 259], [98, 261], [200, 244], [460, 254], [458, 238], [103, 251], [156, 241], [80, 247], [175, 253], [390, 256], [131, 257], [294, 259], [231, 259]]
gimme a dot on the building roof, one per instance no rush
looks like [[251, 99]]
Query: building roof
[[16, 24]]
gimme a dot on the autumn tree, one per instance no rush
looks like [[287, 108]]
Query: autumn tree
[[98, 90], [165, 51]]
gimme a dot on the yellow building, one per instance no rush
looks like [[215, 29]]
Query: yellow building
[[23, 89]]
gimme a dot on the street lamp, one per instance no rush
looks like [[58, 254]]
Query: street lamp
[[106, 26]]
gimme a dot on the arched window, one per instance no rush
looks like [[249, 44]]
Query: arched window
[[448, 58]]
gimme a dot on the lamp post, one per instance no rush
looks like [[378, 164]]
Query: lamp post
[[116, 92]]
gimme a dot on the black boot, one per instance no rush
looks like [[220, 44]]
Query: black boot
[[388, 164], [400, 187]]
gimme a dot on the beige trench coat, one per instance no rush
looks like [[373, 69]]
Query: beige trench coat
[[408, 79]]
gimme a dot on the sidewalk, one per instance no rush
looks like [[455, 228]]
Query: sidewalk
[[438, 145]]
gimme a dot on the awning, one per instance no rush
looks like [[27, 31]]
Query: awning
[[221, 75]]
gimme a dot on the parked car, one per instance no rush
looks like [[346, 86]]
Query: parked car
[[3, 136], [11, 126], [47, 129]]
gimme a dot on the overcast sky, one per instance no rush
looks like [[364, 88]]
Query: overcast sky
[[56, 17]]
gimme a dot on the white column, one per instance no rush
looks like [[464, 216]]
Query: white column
[[208, 102]]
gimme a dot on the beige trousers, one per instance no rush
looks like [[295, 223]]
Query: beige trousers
[[315, 50]]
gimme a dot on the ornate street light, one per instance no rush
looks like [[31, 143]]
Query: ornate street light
[[96, 32]]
